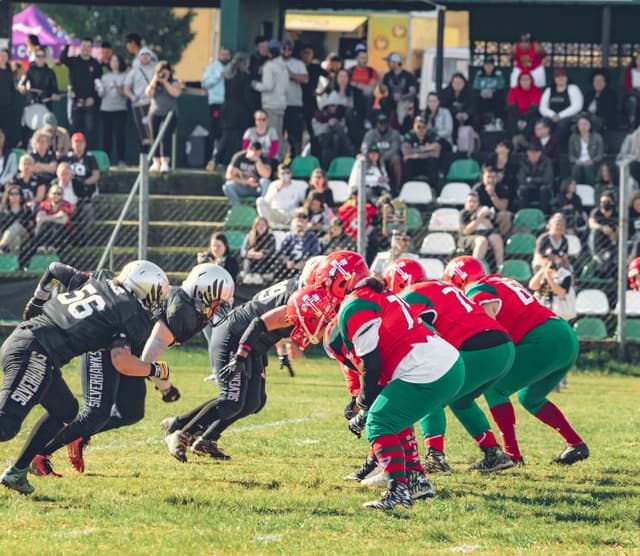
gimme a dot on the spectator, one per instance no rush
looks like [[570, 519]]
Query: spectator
[[586, 151], [113, 109], [84, 167], [631, 100], [601, 102], [45, 161], [58, 136], [133, 44], [213, 82], [495, 196], [421, 151], [135, 85], [400, 244], [83, 71], [294, 115], [336, 239], [506, 165], [365, 78], [348, 213], [7, 92], [406, 124], [16, 220], [220, 254], [39, 82], [535, 179], [523, 101], [33, 189], [163, 90], [398, 88], [388, 141], [281, 200], [603, 237], [329, 128], [440, 120], [634, 224], [237, 107], [550, 144], [477, 230], [264, 134], [569, 204], [33, 42], [552, 285], [8, 163], [560, 102], [354, 105], [106, 51], [273, 88], [309, 99], [553, 243], [318, 184], [607, 180], [319, 215], [299, 244], [257, 252], [247, 175], [458, 98], [257, 60], [394, 215], [488, 88], [376, 178], [527, 58], [53, 221], [630, 150], [64, 179], [332, 64]]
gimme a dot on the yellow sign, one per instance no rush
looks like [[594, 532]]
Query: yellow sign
[[387, 33]]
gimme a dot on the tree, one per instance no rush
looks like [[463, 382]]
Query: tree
[[161, 29]]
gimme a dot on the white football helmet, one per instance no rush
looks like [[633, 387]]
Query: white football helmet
[[211, 288], [148, 282], [307, 274]]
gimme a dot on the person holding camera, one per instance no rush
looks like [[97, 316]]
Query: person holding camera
[[219, 254], [552, 285], [477, 229], [163, 90]]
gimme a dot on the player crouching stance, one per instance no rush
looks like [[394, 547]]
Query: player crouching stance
[[407, 370]]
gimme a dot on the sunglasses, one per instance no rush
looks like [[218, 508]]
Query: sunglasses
[[12, 193], [40, 56], [421, 126]]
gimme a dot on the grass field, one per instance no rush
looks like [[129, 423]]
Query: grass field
[[283, 493]]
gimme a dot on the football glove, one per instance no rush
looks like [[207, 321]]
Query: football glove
[[236, 365], [160, 369], [33, 308], [286, 363], [171, 394], [348, 410], [356, 424]]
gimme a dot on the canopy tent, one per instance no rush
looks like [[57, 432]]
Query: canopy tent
[[31, 21]]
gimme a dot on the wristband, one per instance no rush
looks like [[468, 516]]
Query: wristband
[[246, 347]]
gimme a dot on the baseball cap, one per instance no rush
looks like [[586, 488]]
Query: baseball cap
[[373, 148], [382, 117], [360, 48], [274, 44], [490, 60], [559, 72], [534, 146], [394, 57], [145, 50], [77, 136], [49, 120]]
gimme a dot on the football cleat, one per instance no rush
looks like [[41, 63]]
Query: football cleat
[[397, 495], [494, 460], [75, 451], [572, 454], [419, 486], [41, 467], [169, 425], [377, 478], [177, 444], [202, 447], [16, 479], [366, 469], [434, 463], [518, 462]]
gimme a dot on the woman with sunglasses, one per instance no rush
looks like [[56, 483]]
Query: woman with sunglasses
[[53, 221], [264, 134], [16, 220]]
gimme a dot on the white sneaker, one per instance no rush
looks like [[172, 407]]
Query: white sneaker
[[375, 479], [164, 167], [155, 167]]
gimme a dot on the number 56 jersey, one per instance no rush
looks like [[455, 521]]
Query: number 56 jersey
[[518, 311], [90, 318]]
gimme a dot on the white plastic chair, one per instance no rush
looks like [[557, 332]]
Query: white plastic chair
[[433, 267], [438, 243], [445, 220], [279, 236], [586, 194], [340, 190], [592, 302], [454, 193], [632, 303], [416, 193], [575, 246]]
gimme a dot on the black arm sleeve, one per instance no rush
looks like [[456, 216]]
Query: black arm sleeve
[[371, 369], [69, 277], [252, 333]]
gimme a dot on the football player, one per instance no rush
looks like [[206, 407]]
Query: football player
[[546, 348], [93, 315], [633, 273], [484, 345]]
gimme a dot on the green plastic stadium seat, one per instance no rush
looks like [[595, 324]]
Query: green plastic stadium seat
[[467, 170], [39, 262], [19, 154], [589, 279], [632, 329], [235, 240], [8, 263], [590, 328], [487, 266], [241, 216], [102, 158], [520, 245], [414, 219], [518, 270], [303, 166], [340, 168], [530, 218]]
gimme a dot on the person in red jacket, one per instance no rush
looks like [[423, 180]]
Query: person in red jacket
[[527, 58], [348, 213], [522, 106]]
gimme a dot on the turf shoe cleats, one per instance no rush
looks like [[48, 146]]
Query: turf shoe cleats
[[75, 451], [367, 468], [41, 467], [202, 447], [397, 495], [177, 444], [434, 462], [419, 486], [572, 454], [16, 479], [169, 425], [494, 460]]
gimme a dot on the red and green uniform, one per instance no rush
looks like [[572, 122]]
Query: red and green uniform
[[484, 345], [418, 370], [546, 348]]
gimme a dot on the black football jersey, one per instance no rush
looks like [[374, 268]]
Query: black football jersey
[[90, 318], [181, 316]]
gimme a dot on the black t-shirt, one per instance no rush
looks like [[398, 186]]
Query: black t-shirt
[[602, 220], [29, 187], [181, 316], [400, 83], [501, 192], [82, 168], [247, 167], [414, 141], [90, 318], [48, 157], [467, 216], [546, 247]]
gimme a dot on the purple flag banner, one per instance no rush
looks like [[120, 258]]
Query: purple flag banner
[[32, 21]]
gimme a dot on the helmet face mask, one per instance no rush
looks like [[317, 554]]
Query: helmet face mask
[[148, 282], [402, 273], [341, 272], [309, 310], [211, 290]]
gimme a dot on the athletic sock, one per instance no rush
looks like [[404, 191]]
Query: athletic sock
[[410, 446], [37, 443], [550, 415], [436, 442], [505, 417], [486, 440], [390, 454]]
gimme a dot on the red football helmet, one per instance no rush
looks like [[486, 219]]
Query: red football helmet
[[402, 273], [309, 310], [341, 272], [633, 273], [463, 271]]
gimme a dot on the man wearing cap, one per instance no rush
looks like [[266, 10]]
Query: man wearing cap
[[84, 167], [247, 174], [560, 102], [58, 136], [535, 179], [83, 71], [421, 152], [398, 87], [365, 78], [330, 130], [135, 84], [213, 82], [489, 91], [281, 200], [388, 141]]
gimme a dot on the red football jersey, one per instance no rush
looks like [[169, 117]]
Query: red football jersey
[[518, 311], [455, 317], [350, 365]]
